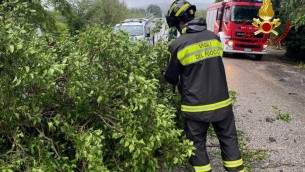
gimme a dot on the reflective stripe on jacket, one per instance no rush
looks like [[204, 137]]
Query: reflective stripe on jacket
[[196, 66]]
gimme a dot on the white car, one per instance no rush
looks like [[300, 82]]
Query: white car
[[138, 28]]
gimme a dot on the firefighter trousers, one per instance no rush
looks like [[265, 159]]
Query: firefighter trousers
[[226, 132]]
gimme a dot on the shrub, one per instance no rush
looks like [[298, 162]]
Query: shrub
[[295, 40], [92, 102]]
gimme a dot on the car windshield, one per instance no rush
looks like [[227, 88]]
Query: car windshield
[[244, 13], [133, 30]]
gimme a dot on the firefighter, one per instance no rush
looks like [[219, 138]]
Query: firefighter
[[196, 68]]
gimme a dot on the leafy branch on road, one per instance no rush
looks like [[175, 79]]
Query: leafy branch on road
[[94, 101], [281, 116], [233, 94], [249, 156]]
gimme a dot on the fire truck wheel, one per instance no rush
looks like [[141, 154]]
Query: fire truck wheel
[[258, 57]]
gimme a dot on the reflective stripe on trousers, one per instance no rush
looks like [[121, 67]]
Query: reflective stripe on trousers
[[208, 107], [234, 165], [204, 168]]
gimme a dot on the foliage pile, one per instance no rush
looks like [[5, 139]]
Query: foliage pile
[[94, 101]]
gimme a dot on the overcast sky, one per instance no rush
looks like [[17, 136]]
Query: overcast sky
[[143, 3]]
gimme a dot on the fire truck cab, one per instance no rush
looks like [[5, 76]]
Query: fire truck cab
[[232, 21]]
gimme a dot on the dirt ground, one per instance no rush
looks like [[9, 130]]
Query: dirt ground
[[268, 91]]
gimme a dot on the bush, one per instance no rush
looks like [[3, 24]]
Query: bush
[[92, 102], [295, 40], [295, 43]]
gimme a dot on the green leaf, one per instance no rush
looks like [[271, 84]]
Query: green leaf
[[131, 148], [142, 141], [50, 124], [126, 143], [115, 135], [189, 152], [175, 160], [27, 69], [19, 46], [11, 48], [51, 71], [16, 115], [18, 81], [99, 99], [41, 135]]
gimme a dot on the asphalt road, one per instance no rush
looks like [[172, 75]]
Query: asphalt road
[[265, 89]]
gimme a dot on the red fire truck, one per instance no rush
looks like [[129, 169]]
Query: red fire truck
[[232, 21]]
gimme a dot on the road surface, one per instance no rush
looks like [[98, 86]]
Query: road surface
[[265, 89]]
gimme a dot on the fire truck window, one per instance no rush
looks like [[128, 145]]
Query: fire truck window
[[219, 14], [244, 13], [227, 14]]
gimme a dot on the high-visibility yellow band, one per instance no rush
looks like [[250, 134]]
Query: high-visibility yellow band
[[202, 55], [183, 30], [200, 51], [181, 9], [233, 164], [241, 171], [208, 107], [198, 46], [203, 168], [171, 9]]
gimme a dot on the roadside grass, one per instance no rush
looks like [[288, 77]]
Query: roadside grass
[[281, 116], [300, 65], [284, 117]]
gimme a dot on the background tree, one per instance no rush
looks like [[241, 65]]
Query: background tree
[[202, 13], [295, 41], [36, 15], [82, 12], [106, 12], [155, 10], [218, 1], [135, 13]]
